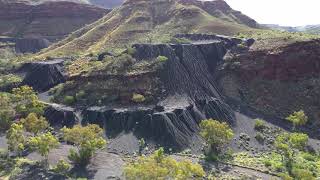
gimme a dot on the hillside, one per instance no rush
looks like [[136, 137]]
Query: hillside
[[311, 29], [103, 3], [52, 21], [152, 21]]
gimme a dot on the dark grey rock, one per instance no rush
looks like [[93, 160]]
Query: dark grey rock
[[43, 75], [60, 116]]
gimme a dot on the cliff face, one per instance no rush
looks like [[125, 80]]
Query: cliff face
[[278, 82], [43, 75], [51, 20]]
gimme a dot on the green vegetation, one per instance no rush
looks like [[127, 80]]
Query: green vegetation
[[138, 98], [34, 124], [10, 79], [26, 101], [259, 124], [160, 166], [43, 144], [87, 139], [62, 167], [7, 111], [215, 133], [162, 58], [275, 34], [16, 139], [69, 100], [298, 118]]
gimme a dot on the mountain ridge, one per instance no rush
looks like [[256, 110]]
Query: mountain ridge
[[149, 21]]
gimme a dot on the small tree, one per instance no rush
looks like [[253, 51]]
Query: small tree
[[16, 139], [87, 139], [34, 124], [43, 144], [160, 166], [287, 144], [7, 112], [215, 133], [297, 118], [26, 101]]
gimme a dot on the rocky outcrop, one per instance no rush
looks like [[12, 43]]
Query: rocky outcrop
[[60, 116], [43, 75], [192, 95], [277, 82], [31, 45], [174, 127], [189, 69], [51, 20]]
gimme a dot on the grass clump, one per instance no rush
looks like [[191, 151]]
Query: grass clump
[[138, 98], [162, 58], [69, 100], [259, 124]]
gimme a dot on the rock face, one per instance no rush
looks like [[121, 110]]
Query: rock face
[[171, 127], [278, 82], [43, 75], [50, 20], [31, 45], [192, 95], [60, 116]]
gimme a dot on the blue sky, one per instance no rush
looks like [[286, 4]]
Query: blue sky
[[282, 12]]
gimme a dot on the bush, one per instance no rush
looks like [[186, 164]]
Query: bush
[[162, 58], [80, 95], [297, 118], [260, 137], [62, 167], [259, 124], [138, 98], [7, 112], [34, 124], [69, 100], [160, 166], [26, 101], [215, 133], [87, 139], [43, 144], [131, 51]]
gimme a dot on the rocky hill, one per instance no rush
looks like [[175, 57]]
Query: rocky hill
[[103, 3], [152, 21], [52, 21]]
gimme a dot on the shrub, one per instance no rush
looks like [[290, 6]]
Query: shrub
[[69, 100], [80, 95], [62, 167], [43, 144], [26, 101], [162, 58], [259, 124], [87, 139], [160, 166], [7, 112], [131, 51], [215, 133], [138, 98], [260, 137], [16, 139], [297, 118], [34, 124], [302, 174]]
